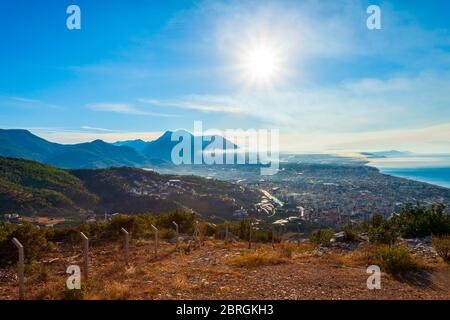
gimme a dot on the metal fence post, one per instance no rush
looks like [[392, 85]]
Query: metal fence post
[[250, 236], [155, 230], [226, 233], [85, 255], [21, 269], [177, 230], [126, 246]]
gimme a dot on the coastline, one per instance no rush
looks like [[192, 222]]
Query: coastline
[[426, 175]]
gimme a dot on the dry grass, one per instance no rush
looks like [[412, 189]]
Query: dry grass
[[113, 290], [216, 272], [181, 283], [305, 247], [334, 258], [288, 250], [48, 291], [130, 271], [257, 259]]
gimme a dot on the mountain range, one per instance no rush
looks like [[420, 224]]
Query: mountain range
[[18, 143]]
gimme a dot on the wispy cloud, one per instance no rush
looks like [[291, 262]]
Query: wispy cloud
[[368, 104], [25, 102], [421, 139], [196, 102], [125, 108], [98, 129]]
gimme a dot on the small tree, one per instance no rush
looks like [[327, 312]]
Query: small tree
[[32, 238], [381, 231], [420, 221], [321, 236]]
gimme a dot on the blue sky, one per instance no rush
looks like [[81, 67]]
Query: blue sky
[[138, 68]]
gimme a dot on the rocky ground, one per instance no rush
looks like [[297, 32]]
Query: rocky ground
[[208, 272]]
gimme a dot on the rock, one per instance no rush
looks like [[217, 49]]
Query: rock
[[339, 236], [362, 237]]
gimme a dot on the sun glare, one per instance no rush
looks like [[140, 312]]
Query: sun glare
[[261, 64]]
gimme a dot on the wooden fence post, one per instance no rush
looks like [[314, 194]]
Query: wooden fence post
[[198, 233], [177, 231], [155, 230], [85, 255], [21, 269], [127, 245]]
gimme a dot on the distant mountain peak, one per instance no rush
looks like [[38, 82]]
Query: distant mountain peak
[[98, 153], [20, 143], [387, 154], [98, 141]]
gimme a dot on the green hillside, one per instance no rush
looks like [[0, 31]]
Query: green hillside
[[31, 188], [28, 187]]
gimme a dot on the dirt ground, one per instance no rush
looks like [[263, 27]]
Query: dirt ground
[[208, 272]]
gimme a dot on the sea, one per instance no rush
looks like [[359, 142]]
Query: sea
[[430, 169]]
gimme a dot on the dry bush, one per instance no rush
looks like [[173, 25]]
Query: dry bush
[[442, 246], [37, 272], [394, 259], [287, 250], [321, 236]]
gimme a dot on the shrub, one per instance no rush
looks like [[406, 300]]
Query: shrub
[[72, 294], [395, 260], [263, 235], [207, 229], [321, 236], [32, 238], [142, 225], [5, 230], [442, 246], [69, 234], [420, 221], [168, 234], [113, 229], [350, 234], [287, 250], [241, 229], [381, 231], [185, 220], [37, 271]]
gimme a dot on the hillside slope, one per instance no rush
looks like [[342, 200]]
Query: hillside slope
[[133, 190], [28, 187], [207, 272], [31, 188]]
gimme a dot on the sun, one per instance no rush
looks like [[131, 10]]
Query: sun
[[261, 64]]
